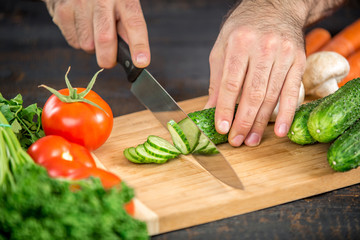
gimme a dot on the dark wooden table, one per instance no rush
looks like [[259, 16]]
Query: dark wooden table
[[33, 52]]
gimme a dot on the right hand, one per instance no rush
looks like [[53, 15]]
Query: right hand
[[93, 25]]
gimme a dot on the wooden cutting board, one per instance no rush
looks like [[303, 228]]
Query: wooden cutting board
[[181, 193]]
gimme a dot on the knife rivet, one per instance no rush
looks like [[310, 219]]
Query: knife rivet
[[127, 63]]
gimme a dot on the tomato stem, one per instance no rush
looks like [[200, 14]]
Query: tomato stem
[[74, 96]]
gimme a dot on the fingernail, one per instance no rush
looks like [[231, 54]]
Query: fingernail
[[252, 140], [283, 129], [237, 140], [224, 127], [141, 58]]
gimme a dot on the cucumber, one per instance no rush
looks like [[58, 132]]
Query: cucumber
[[203, 143], [140, 150], [344, 152], [191, 132], [158, 153], [298, 132], [162, 144], [205, 120], [132, 156], [178, 137], [336, 113], [208, 150]]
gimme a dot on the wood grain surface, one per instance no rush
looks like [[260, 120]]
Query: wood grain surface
[[182, 194], [181, 34]]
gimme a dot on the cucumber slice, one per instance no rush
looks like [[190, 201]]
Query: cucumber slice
[[203, 143], [191, 131], [158, 153], [162, 144], [178, 137], [140, 150], [131, 157], [209, 150]]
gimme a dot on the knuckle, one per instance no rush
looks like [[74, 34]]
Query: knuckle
[[256, 97], [232, 85], [135, 22], [105, 37], [133, 6]]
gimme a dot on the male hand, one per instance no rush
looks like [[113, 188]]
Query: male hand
[[258, 57], [93, 25]]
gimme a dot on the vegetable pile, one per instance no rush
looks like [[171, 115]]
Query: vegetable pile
[[333, 119], [346, 43], [55, 190]]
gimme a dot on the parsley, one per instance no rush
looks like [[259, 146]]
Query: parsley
[[25, 122]]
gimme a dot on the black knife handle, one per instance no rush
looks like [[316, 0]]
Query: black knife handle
[[124, 59]]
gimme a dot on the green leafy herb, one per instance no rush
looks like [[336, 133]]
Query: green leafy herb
[[25, 122], [41, 207]]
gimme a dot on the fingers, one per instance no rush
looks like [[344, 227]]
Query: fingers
[[92, 26], [253, 95], [105, 33], [235, 67], [216, 61], [63, 17], [84, 26], [259, 76], [289, 96], [282, 63], [134, 25]]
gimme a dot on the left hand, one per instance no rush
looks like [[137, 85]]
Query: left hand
[[258, 57]]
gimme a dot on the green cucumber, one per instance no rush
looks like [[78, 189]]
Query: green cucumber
[[336, 113], [162, 144], [209, 150], [178, 137], [140, 150], [132, 156], [203, 143], [344, 152], [158, 153], [191, 132], [204, 119], [298, 132]]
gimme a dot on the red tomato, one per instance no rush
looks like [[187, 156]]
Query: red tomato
[[130, 208], [78, 122], [60, 157]]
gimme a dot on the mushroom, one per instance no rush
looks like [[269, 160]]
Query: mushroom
[[300, 101], [323, 71]]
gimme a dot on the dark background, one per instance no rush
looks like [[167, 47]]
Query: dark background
[[181, 33]]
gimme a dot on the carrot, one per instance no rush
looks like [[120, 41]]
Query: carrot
[[346, 41], [315, 39], [354, 62]]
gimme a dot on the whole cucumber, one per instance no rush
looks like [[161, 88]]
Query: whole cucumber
[[336, 113], [344, 152], [298, 132]]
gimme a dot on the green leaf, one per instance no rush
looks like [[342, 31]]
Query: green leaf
[[29, 112], [16, 127], [17, 100], [8, 114]]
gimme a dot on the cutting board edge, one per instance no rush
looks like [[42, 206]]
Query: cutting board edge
[[316, 187]]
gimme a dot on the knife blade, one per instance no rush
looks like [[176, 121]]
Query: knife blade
[[155, 98]]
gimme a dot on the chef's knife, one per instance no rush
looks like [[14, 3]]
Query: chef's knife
[[154, 97]]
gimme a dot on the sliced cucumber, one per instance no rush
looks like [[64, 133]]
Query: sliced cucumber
[[162, 144], [132, 156], [140, 150], [209, 150], [203, 143], [158, 153], [178, 137], [191, 131]]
